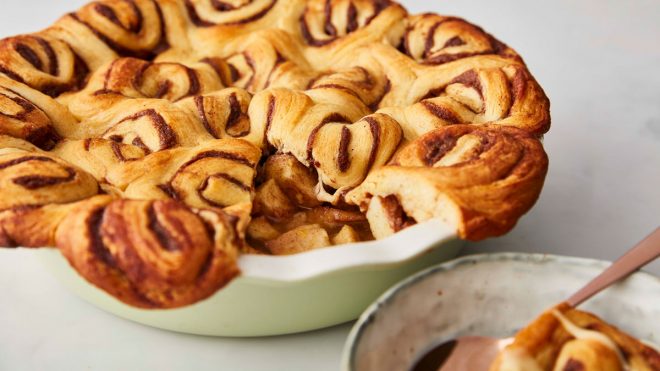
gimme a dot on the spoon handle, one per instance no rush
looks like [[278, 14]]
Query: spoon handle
[[640, 255]]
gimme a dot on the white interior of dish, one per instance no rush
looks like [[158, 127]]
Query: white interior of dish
[[404, 245]]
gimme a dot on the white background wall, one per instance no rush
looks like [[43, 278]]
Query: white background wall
[[598, 62]]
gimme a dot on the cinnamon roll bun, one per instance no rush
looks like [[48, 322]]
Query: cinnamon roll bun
[[434, 39], [288, 218], [38, 178], [340, 144], [224, 114], [43, 63], [30, 115], [131, 78], [150, 254], [479, 179], [448, 95], [153, 125], [31, 225], [564, 338], [232, 20], [102, 158], [269, 59], [103, 30], [219, 173], [332, 29]]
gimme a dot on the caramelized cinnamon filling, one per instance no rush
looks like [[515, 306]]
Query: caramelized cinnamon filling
[[396, 215], [285, 204], [329, 218]]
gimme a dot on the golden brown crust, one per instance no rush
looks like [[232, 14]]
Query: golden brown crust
[[42, 62], [33, 179], [31, 226], [103, 30], [434, 39], [329, 130], [219, 173], [30, 115], [270, 109], [479, 179], [132, 78], [466, 93], [552, 346], [151, 254]]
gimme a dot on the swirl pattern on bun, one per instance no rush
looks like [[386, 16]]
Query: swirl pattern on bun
[[129, 28], [43, 63], [151, 254], [207, 13], [38, 178], [471, 177], [434, 39]]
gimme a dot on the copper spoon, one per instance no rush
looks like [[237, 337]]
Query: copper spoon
[[476, 353]]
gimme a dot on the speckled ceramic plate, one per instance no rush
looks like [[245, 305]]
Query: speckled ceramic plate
[[286, 294], [492, 295]]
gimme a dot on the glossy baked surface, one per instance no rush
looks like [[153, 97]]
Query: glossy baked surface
[[153, 141], [565, 338]]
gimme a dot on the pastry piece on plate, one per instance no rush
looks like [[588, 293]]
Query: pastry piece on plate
[[564, 338]]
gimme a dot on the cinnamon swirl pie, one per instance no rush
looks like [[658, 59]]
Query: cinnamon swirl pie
[[154, 141]]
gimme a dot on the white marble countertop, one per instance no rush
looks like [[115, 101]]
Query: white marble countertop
[[598, 62]]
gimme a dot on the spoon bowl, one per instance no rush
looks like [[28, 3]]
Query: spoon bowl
[[477, 353], [465, 353]]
